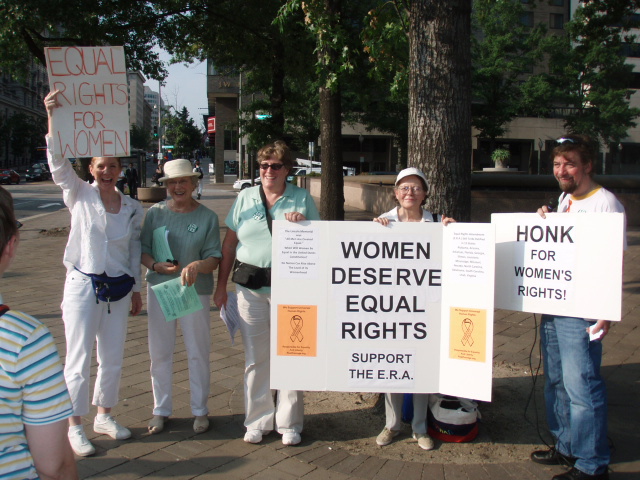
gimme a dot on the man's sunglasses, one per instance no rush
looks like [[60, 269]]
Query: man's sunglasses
[[273, 166]]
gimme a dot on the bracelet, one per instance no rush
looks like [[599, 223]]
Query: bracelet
[[153, 267]]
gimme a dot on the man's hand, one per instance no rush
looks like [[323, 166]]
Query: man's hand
[[603, 325], [543, 210]]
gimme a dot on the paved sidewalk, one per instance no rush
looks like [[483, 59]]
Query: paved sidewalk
[[35, 283]]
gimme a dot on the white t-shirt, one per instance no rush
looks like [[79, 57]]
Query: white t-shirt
[[597, 200], [392, 215]]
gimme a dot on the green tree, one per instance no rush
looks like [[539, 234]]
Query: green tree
[[140, 138], [181, 132], [504, 51], [589, 73], [29, 26]]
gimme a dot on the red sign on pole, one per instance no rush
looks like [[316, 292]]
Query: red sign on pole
[[211, 125]]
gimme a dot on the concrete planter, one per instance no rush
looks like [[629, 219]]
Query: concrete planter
[[152, 194]]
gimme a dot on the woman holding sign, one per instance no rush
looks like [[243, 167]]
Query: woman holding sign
[[248, 243], [103, 268], [411, 190], [180, 239]]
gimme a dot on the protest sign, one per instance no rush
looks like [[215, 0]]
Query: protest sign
[[357, 306], [93, 120], [567, 264]]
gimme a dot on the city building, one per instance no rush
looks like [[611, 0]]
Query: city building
[[23, 119]]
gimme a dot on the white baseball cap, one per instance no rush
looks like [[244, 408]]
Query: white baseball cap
[[412, 171]]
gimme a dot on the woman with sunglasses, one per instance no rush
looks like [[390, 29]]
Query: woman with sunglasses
[[247, 251], [410, 192]]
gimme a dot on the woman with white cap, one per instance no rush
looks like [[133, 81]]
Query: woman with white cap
[[193, 234], [410, 190]]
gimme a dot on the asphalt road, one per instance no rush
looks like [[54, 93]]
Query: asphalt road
[[35, 198]]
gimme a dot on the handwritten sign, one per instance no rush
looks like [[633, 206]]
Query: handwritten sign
[[93, 120]]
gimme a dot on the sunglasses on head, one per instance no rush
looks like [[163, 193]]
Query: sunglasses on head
[[573, 141], [273, 166]]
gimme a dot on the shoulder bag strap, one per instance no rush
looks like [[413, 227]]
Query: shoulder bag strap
[[4, 309], [266, 208]]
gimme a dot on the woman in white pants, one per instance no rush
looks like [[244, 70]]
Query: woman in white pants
[[411, 189], [194, 239], [248, 241], [104, 240]]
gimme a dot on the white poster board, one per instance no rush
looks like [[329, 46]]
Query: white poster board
[[356, 306], [93, 120], [568, 264]]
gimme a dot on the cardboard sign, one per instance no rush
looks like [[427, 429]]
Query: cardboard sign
[[360, 307], [568, 264], [93, 120]]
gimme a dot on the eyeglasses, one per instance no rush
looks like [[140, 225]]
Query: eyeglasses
[[405, 190], [18, 224], [273, 166]]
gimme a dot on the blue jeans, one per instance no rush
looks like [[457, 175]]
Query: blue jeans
[[575, 393]]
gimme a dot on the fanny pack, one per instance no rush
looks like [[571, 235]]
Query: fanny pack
[[250, 276], [110, 289]]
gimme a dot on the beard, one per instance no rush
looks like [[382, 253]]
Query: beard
[[569, 186]]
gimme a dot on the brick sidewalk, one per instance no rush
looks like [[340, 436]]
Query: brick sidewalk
[[35, 283]]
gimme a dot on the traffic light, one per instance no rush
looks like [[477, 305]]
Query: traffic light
[[155, 131]]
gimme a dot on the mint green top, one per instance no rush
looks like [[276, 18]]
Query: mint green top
[[247, 218], [192, 236]]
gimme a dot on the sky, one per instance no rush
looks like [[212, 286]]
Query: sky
[[186, 86]]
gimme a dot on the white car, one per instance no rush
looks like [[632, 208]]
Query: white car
[[245, 183]]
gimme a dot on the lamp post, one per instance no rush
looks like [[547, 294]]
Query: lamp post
[[540, 145]]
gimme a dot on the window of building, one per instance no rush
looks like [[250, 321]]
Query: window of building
[[635, 81], [526, 19], [630, 50], [556, 21], [556, 3], [231, 140]]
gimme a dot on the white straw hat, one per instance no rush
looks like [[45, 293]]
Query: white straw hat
[[178, 168], [412, 171]]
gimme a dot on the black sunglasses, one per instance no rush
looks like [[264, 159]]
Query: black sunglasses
[[18, 224], [273, 166]]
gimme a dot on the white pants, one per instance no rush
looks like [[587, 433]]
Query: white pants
[[199, 191], [260, 409], [196, 333], [393, 411], [86, 323]]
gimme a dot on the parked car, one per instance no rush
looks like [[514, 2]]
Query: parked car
[[9, 176], [34, 174], [46, 173], [245, 183]]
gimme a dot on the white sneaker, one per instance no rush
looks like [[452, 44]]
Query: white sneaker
[[109, 426], [80, 444], [425, 442], [253, 436], [291, 438], [386, 436]]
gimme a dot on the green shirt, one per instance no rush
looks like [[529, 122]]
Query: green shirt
[[247, 218], [192, 236]]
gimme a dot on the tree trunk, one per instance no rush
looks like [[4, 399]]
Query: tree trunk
[[332, 190], [440, 102]]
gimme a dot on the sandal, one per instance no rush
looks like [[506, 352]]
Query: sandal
[[156, 424]]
